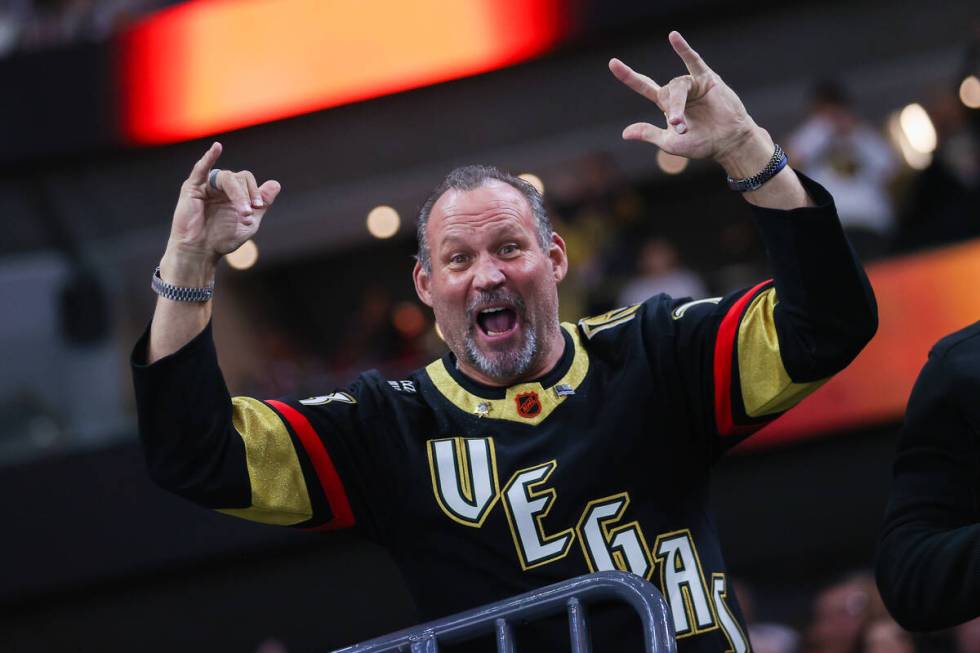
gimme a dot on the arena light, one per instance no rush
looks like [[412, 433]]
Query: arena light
[[671, 163], [534, 180], [244, 257], [383, 222], [204, 67], [918, 128], [913, 158], [970, 92], [408, 319]]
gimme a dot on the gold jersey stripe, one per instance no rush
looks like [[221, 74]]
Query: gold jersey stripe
[[608, 320], [766, 386], [506, 408], [279, 494]]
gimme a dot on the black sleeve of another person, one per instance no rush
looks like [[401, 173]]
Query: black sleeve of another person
[[928, 562]]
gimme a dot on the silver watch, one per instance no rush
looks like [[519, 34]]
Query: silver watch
[[178, 294]]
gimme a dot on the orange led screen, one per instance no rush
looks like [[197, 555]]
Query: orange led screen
[[921, 298], [211, 66]]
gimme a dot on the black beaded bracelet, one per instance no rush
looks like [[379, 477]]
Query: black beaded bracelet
[[776, 163], [178, 294]]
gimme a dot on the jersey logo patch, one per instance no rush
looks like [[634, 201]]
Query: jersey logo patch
[[593, 325], [342, 397], [402, 386], [564, 390], [528, 404], [680, 310]]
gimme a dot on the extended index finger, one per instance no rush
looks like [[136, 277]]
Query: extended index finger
[[692, 60], [199, 173]]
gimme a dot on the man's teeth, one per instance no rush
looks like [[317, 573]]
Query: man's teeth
[[488, 311]]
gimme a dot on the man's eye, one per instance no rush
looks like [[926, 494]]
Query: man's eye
[[508, 249], [457, 259]]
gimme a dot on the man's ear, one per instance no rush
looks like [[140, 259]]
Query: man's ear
[[559, 257], [421, 278]]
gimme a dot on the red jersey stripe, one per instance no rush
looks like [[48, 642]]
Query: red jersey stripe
[[330, 481], [724, 359]]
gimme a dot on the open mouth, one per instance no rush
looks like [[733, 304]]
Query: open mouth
[[496, 321]]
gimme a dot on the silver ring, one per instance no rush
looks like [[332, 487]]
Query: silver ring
[[213, 178]]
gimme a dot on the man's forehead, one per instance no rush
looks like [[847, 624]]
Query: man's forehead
[[493, 197]]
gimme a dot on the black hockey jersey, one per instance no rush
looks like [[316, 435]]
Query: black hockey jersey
[[480, 493]]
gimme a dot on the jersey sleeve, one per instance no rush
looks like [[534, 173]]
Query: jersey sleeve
[[276, 462], [746, 358], [928, 561]]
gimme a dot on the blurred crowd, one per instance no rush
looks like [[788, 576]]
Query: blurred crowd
[[685, 235], [30, 25], [848, 616], [628, 241]]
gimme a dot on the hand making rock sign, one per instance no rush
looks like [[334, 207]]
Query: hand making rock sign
[[707, 120]]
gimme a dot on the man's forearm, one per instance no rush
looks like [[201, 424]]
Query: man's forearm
[[928, 574], [177, 323], [784, 191]]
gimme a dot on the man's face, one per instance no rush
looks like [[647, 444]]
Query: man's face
[[493, 289]]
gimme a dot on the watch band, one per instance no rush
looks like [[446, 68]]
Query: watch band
[[177, 293], [776, 163]]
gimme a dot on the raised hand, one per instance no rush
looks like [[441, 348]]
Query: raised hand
[[209, 223], [705, 118]]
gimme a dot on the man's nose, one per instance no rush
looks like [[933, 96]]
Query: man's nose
[[487, 274]]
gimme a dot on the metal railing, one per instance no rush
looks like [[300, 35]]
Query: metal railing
[[570, 596]]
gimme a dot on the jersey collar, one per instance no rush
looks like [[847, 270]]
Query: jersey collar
[[550, 391]]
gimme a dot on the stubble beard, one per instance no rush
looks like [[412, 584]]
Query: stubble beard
[[502, 366], [505, 365]]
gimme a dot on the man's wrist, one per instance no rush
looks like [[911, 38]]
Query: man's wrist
[[181, 266], [749, 155]]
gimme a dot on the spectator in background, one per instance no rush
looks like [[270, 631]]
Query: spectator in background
[[967, 637], [370, 337], [660, 270], [272, 645], [942, 202], [773, 638], [764, 637], [841, 612], [854, 163], [598, 212], [928, 559], [884, 635], [13, 16], [43, 24]]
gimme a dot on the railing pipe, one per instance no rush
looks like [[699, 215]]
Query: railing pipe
[[569, 595]]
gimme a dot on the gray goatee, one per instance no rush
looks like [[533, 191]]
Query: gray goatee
[[507, 364]]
